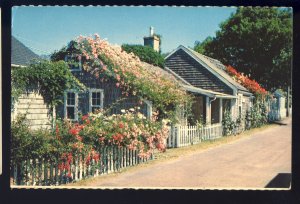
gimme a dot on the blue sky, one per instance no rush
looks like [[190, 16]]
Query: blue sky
[[45, 29]]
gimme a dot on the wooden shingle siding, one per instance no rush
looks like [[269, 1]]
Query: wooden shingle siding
[[194, 73], [37, 112], [111, 95]]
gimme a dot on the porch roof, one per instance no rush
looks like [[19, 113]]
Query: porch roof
[[208, 93]]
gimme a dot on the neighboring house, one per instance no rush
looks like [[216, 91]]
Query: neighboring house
[[277, 106], [213, 88], [30, 103]]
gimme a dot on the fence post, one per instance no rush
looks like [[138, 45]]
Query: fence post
[[177, 136], [51, 172], [170, 136]]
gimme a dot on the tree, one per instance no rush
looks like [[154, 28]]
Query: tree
[[145, 53], [257, 41], [200, 46]]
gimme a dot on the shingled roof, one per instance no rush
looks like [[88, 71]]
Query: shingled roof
[[20, 54], [169, 74], [214, 66], [217, 66]]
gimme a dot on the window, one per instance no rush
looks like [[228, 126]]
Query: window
[[74, 62], [71, 105], [95, 99]]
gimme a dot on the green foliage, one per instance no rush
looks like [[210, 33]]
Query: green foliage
[[257, 41], [27, 144], [201, 46], [108, 63], [51, 79], [256, 116], [145, 53], [229, 125], [130, 129]]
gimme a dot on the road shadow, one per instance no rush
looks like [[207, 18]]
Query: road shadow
[[281, 180], [278, 123]]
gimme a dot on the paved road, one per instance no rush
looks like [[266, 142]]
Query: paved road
[[251, 162]]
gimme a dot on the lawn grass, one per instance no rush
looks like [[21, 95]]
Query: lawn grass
[[171, 154]]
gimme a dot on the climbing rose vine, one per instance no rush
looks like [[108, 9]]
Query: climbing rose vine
[[252, 85], [106, 62]]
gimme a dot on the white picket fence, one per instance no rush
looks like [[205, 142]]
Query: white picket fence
[[43, 172], [181, 136]]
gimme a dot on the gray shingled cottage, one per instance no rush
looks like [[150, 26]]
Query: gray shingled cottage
[[31, 102], [204, 77], [97, 95], [201, 73]]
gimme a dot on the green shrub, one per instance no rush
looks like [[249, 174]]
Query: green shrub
[[231, 126], [146, 54], [256, 116], [28, 144]]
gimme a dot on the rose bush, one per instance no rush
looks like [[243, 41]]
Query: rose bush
[[110, 63], [130, 129], [85, 138]]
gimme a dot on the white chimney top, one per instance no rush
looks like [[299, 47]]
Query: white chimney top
[[151, 31]]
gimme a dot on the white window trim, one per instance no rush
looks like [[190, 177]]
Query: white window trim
[[79, 64], [75, 106], [91, 91]]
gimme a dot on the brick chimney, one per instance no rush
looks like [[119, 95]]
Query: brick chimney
[[152, 40]]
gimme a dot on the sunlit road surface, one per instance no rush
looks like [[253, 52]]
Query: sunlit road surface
[[250, 162]]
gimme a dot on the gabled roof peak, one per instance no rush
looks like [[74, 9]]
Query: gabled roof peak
[[20, 54], [213, 65]]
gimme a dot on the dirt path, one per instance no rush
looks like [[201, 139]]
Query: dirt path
[[251, 162]]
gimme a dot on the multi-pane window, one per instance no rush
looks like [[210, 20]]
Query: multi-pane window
[[74, 62], [95, 99], [71, 105]]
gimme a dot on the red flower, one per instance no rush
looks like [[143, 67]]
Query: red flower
[[121, 125], [252, 85], [85, 117], [57, 132], [74, 131], [61, 166]]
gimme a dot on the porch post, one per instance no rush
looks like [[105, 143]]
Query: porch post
[[221, 110], [233, 108], [208, 111]]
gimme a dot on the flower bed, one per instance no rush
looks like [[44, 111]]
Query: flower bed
[[130, 130]]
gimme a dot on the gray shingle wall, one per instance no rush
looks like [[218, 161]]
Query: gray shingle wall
[[111, 95]]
